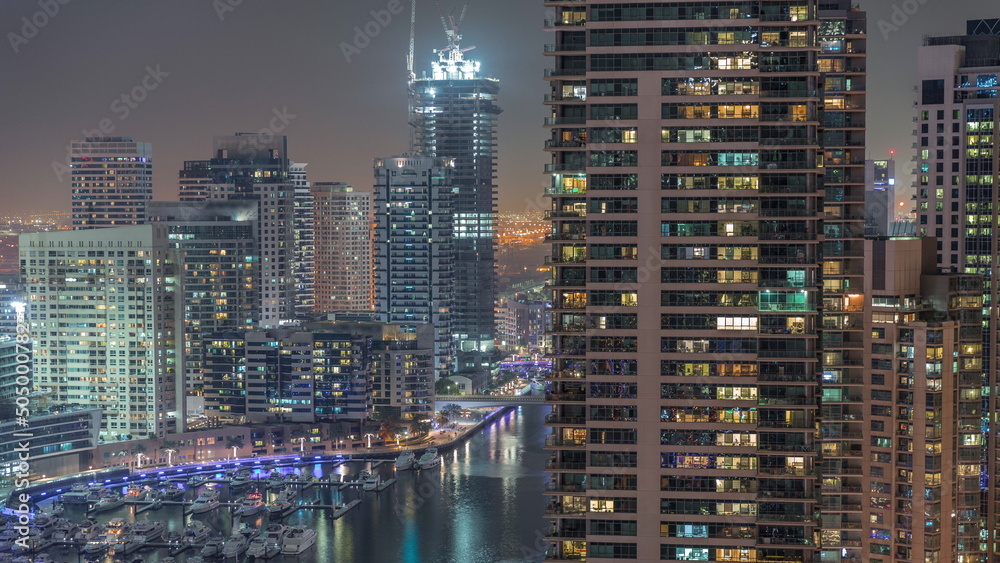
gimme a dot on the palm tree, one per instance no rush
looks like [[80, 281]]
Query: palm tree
[[420, 425], [235, 442], [390, 426], [452, 411]]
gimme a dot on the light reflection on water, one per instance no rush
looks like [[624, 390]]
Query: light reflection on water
[[483, 504]]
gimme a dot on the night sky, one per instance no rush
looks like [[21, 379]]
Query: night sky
[[214, 67]]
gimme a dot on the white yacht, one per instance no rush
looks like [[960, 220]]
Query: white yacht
[[282, 505], [148, 529], [88, 530], [406, 460], [212, 548], [298, 541], [429, 459], [135, 493], [235, 546], [64, 530], [252, 504], [269, 544], [275, 481], [127, 544], [109, 501], [172, 492], [372, 483], [260, 549], [96, 492], [239, 480], [248, 531], [206, 501], [196, 532], [95, 546], [46, 526]]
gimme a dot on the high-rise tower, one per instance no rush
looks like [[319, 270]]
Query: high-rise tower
[[304, 269], [455, 116], [216, 246], [248, 167], [343, 248], [112, 179], [413, 248], [958, 203], [105, 324], [687, 144]]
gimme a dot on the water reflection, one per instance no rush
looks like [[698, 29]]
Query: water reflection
[[484, 504]]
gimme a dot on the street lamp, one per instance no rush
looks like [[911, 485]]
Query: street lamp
[[369, 436], [341, 443]]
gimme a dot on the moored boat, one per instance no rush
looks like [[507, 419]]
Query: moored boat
[[148, 529], [235, 546], [372, 483], [212, 548], [196, 532], [406, 460], [429, 459], [206, 501], [252, 504], [298, 540], [108, 502]]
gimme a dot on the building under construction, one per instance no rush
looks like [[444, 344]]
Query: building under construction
[[454, 115]]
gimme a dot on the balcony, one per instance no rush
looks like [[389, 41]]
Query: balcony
[[549, 98], [565, 466], [563, 488], [574, 120], [560, 214], [564, 191], [555, 48], [564, 236], [566, 374], [560, 23], [554, 144], [557, 535], [564, 260], [566, 397], [560, 419], [566, 167], [556, 442], [559, 72], [558, 509]]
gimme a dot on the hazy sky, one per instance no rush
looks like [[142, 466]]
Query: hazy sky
[[200, 68]]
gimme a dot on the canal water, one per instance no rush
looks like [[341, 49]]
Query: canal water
[[483, 504]]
